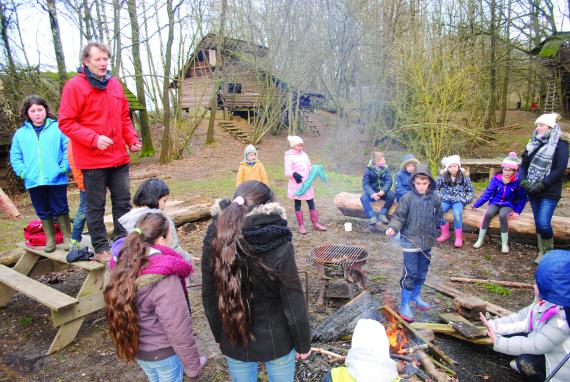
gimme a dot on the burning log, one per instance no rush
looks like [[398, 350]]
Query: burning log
[[412, 349]]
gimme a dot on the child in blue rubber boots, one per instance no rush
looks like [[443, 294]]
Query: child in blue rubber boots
[[417, 218], [376, 184]]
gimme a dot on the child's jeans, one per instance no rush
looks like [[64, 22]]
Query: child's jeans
[[367, 203], [80, 217], [503, 212], [416, 265], [279, 370], [166, 370], [543, 209], [457, 213]]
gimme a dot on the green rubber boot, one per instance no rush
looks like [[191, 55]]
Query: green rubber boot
[[65, 227], [544, 245], [49, 230]]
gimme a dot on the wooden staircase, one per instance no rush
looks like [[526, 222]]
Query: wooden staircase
[[235, 131], [552, 100], [310, 122]]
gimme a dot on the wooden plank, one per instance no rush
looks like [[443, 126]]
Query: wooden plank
[[47, 266], [10, 256], [512, 284], [86, 305], [60, 255], [462, 325], [45, 295], [65, 335], [448, 330], [24, 266], [452, 292]]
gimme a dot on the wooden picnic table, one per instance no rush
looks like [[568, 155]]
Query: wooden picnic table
[[67, 312], [471, 165]]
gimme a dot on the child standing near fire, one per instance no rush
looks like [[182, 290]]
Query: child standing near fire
[[251, 168], [297, 169], [417, 218]]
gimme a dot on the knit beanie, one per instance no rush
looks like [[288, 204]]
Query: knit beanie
[[248, 149], [294, 140], [448, 161], [409, 158], [512, 161], [549, 119]]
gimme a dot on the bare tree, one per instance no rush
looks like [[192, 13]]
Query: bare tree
[[56, 39], [4, 24]]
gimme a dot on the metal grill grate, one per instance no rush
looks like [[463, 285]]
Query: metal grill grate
[[338, 254]]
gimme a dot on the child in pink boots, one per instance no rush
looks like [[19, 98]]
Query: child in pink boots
[[456, 191], [297, 169]]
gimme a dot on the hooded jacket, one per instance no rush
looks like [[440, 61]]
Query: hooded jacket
[[375, 179], [505, 195], [281, 322], [85, 113], [247, 172], [41, 160], [298, 162], [402, 178], [418, 216]]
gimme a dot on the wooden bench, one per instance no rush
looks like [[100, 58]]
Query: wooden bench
[[490, 166], [67, 312]]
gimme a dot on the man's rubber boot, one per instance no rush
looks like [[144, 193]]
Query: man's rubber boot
[[300, 223], [504, 242], [421, 304], [314, 214], [49, 230], [444, 233], [405, 310], [458, 238], [65, 227], [481, 239], [547, 245]]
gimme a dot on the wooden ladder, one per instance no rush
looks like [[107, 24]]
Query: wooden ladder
[[312, 125], [552, 100], [235, 131]]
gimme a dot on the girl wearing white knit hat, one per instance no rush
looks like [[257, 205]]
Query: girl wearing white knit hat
[[542, 174]]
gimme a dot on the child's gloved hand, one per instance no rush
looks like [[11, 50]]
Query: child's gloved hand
[[538, 188], [526, 185], [298, 177]]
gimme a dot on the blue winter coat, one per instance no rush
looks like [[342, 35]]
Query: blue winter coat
[[375, 179], [40, 160], [402, 183], [504, 195], [460, 191]]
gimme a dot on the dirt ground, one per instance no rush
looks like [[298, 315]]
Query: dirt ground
[[26, 332]]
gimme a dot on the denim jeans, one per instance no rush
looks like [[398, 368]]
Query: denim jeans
[[96, 183], [416, 265], [166, 370], [80, 217], [543, 209], [457, 213], [279, 370], [367, 203]]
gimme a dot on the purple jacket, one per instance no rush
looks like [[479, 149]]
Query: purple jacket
[[504, 195]]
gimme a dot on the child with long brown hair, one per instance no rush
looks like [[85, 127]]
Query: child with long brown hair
[[146, 304], [251, 290]]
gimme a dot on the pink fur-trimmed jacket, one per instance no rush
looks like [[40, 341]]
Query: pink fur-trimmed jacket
[[298, 162]]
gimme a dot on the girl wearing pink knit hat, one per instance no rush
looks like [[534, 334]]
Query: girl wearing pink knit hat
[[506, 197]]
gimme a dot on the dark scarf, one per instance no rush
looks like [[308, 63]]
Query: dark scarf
[[267, 237], [94, 81]]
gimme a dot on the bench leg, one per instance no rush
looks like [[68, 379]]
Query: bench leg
[[65, 335], [24, 266]]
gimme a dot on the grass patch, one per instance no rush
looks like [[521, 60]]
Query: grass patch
[[25, 321], [376, 278], [497, 289], [481, 184]]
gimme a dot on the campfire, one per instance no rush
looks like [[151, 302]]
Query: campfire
[[396, 335]]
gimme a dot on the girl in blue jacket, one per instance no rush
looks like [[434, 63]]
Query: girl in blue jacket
[[506, 197], [38, 155]]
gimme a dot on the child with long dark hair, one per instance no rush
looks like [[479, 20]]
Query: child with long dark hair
[[251, 290], [146, 304], [39, 156]]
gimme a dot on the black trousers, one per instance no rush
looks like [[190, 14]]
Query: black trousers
[[116, 179]]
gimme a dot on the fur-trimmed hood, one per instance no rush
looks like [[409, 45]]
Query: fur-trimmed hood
[[272, 208]]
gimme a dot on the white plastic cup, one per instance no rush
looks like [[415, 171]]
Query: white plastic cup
[[348, 226]]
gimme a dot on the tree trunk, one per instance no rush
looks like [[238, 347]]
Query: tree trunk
[[491, 118], [20, 33], [4, 22], [507, 69], [57, 46], [87, 21], [219, 60], [117, 5], [99, 21], [147, 148]]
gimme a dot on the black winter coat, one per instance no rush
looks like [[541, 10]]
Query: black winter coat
[[281, 322]]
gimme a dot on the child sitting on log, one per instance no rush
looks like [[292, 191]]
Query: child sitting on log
[[376, 184], [251, 168], [506, 197], [456, 191], [539, 335], [402, 179], [417, 218]]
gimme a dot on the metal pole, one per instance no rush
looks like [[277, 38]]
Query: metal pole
[[558, 367]]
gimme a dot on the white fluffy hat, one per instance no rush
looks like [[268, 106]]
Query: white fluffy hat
[[448, 161], [294, 140], [549, 119]]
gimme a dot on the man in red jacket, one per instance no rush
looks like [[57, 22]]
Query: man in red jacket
[[94, 114]]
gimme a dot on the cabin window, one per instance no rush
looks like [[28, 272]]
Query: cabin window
[[234, 88]]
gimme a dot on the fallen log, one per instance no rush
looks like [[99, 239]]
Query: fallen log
[[10, 256], [344, 320], [430, 368], [513, 284], [349, 204], [329, 353], [8, 205]]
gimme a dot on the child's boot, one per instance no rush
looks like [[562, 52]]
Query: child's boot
[[405, 310], [458, 238], [314, 214], [65, 227], [504, 242], [444, 233], [49, 230], [300, 223], [421, 304], [480, 239]]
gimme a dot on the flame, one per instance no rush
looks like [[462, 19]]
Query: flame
[[396, 335]]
